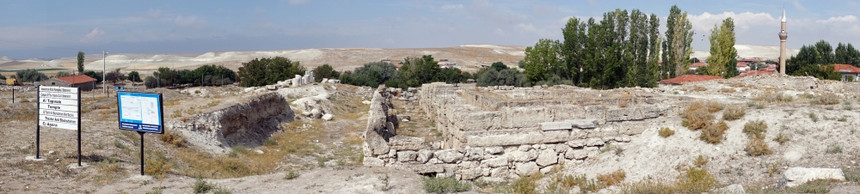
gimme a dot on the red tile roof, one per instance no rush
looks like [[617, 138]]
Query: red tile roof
[[76, 79], [845, 68], [741, 64], [755, 73], [689, 78]]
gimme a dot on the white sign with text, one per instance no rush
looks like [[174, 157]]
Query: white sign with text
[[59, 106]]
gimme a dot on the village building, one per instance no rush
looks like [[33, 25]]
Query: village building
[[849, 72], [86, 83]]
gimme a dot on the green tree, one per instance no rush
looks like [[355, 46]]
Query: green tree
[[94, 74], [3, 77], [540, 59], [213, 75], [847, 54], [134, 76], [676, 48], [30, 75], [114, 76], [723, 54], [416, 71], [325, 71], [371, 74], [80, 61], [573, 48], [266, 71]]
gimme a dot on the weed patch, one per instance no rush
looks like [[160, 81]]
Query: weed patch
[[834, 149], [698, 114], [755, 129], [757, 147], [734, 112], [666, 132], [713, 133], [781, 138], [827, 99], [444, 185]]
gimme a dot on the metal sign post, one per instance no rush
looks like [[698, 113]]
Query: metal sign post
[[140, 112]]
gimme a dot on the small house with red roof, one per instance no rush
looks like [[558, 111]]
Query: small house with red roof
[[86, 83], [849, 72]]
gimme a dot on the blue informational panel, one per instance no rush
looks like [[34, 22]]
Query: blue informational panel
[[141, 112]]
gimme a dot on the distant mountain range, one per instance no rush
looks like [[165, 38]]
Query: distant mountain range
[[467, 57]]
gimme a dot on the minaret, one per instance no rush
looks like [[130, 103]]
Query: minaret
[[782, 36]]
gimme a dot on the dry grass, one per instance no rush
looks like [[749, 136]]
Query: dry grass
[[713, 133], [781, 138], [734, 112], [700, 161], [771, 96], [172, 138], [698, 114], [755, 129], [693, 180], [727, 90], [666, 132], [757, 147], [827, 99], [612, 178]]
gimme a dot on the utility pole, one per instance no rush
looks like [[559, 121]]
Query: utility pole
[[104, 67]]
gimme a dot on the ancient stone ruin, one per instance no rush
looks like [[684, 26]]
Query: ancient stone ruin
[[501, 133], [247, 123]]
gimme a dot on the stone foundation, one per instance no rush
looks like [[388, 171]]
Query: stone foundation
[[501, 133]]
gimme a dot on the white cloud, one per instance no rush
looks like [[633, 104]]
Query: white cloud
[[743, 21], [189, 21], [93, 35], [839, 20], [452, 6]]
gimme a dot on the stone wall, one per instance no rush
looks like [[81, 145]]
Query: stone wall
[[248, 123], [497, 134]]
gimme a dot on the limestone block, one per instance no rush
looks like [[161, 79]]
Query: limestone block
[[494, 150], [795, 176], [555, 136], [496, 162], [426, 168], [406, 156], [591, 152], [622, 139], [401, 142], [501, 172], [583, 123], [502, 138], [576, 143], [576, 154], [732, 189], [375, 144], [549, 126], [547, 157], [595, 142], [327, 117], [525, 169], [524, 148], [448, 156], [424, 156], [560, 148], [370, 161], [469, 173], [473, 154], [546, 169], [518, 156]]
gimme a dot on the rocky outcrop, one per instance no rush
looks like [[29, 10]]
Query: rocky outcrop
[[380, 125], [795, 176], [248, 123]]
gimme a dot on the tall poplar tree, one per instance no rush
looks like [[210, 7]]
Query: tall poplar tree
[[723, 59], [80, 61], [676, 48]]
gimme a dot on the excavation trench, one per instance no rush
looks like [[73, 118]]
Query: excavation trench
[[247, 123]]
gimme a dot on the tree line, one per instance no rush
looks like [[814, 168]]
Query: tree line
[[817, 60], [206, 75]]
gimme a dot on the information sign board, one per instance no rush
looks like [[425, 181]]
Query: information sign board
[[58, 107], [140, 112]]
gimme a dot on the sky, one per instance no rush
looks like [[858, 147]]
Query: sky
[[52, 29]]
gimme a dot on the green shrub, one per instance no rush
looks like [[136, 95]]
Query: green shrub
[[834, 149], [851, 174], [734, 112], [666, 132], [714, 132], [755, 129], [813, 117], [291, 175], [201, 186], [444, 185], [157, 164], [757, 147]]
